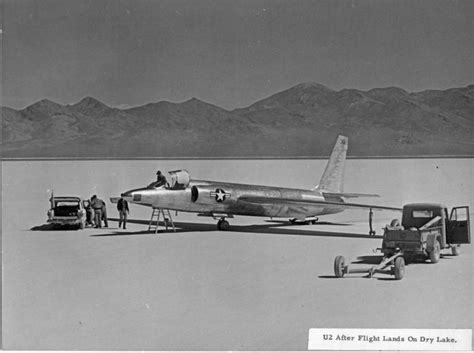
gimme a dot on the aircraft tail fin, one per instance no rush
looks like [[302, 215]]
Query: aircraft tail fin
[[332, 179]]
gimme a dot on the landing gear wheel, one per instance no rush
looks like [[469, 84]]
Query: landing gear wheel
[[455, 250], [223, 225], [436, 253], [399, 267], [82, 225], [339, 266], [372, 233]]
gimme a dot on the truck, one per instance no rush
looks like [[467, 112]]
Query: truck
[[426, 229], [67, 210]]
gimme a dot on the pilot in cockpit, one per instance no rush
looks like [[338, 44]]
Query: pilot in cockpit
[[160, 180]]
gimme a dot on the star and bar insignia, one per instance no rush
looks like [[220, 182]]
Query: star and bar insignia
[[220, 195]]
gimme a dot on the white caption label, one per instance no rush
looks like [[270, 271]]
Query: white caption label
[[389, 339]]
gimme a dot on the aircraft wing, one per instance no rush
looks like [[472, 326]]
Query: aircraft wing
[[348, 194], [322, 203]]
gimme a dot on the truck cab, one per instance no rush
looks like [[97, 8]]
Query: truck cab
[[426, 228]]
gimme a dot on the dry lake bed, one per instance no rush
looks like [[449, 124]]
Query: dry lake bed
[[260, 286]]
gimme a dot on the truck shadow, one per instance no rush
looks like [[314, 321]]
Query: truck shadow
[[276, 228], [52, 227]]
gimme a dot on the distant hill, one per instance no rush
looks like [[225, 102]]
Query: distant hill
[[300, 121]]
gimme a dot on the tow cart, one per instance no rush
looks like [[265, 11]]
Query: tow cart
[[425, 230], [393, 265]]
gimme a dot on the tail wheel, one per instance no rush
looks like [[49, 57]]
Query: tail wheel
[[435, 254], [399, 267], [339, 266]]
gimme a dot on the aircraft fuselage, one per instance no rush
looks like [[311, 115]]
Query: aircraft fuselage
[[210, 197]]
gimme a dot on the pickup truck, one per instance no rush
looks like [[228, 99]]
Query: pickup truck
[[425, 229], [67, 210]]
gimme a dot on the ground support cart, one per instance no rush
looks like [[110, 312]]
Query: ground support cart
[[393, 265]]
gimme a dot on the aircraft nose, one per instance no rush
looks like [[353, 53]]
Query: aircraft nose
[[134, 195]]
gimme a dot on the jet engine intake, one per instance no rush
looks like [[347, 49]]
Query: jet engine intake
[[194, 193]]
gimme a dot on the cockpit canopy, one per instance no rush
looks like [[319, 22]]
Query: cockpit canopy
[[179, 179]]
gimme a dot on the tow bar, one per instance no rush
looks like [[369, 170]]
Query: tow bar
[[393, 265]]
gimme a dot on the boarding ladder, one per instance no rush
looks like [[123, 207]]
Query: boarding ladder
[[155, 215]]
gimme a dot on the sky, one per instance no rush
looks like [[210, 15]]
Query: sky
[[230, 53]]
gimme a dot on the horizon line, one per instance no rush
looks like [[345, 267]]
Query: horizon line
[[20, 159]]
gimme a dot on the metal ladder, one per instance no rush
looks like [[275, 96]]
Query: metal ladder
[[167, 219]]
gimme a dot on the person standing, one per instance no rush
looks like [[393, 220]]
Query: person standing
[[104, 214], [97, 205], [122, 207], [90, 213]]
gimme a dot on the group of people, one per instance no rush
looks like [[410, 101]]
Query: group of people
[[96, 212]]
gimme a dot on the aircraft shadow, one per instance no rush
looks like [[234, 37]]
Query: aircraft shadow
[[273, 228], [119, 234], [322, 223]]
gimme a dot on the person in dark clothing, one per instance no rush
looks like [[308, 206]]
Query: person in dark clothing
[[122, 207], [90, 213], [97, 205], [160, 180], [104, 214]]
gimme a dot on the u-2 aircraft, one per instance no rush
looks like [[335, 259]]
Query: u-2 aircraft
[[222, 200]]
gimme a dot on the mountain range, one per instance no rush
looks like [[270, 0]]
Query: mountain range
[[303, 120]]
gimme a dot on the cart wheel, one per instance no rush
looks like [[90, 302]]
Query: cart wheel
[[339, 266], [399, 268], [436, 253], [455, 250]]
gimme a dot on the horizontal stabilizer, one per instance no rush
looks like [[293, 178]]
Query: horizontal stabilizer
[[114, 199], [348, 194], [322, 203]]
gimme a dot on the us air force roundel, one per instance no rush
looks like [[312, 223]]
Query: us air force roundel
[[220, 195]]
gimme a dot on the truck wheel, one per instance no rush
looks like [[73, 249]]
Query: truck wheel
[[455, 250], [339, 266], [395, 223], [409, 258], [436, 253], [399, 268]]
